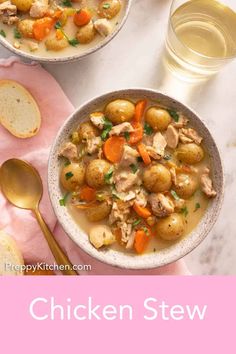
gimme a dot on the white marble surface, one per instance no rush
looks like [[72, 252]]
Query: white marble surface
[[133, 59]]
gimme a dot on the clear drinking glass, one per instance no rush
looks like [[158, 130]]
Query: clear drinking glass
[[201, 37]]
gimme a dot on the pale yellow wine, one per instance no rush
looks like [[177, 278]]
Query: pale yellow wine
[[201, 28]]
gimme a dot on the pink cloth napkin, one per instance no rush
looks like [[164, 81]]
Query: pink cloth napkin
[[21, 224]]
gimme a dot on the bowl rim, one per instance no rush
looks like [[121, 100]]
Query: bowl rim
[[70, 58], [183, 251]]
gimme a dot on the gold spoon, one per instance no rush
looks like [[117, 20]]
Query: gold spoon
[[22, 186]]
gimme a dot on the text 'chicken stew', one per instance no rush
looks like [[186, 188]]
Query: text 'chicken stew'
[[140, 175]]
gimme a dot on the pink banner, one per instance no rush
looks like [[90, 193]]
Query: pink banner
[[118, 315]]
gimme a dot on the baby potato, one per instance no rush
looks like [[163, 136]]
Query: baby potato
[[56, 44], [186, 185], [170, 228], [190, 153], [157, 178], [22, 5], [87, 131], [95, 173], [119, 111], [25, 27], [86, 33], [101, 235], [72, 176], [158, 118], [109, 8], [98, 212]]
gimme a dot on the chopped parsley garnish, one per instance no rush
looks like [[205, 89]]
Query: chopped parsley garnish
[[3, 33], [74, 42], [173, 114], [67, 3], [127, 136], [17, 34], [67, 162], [133, 167], [145, 229], [62, 201], [139, 159], [106, 129], [106, 6], [167, 157], [136, 222], [115, 196], [197, 206], [174, 195], [58, 25], [108, 176], [148, 129], [184, 211], [68, 175]]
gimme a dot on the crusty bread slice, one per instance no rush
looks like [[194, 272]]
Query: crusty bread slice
[[19, 113], [9, 255]]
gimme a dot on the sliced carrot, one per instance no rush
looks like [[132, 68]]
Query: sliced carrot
[[113, 148], [118, 235], [144, 154], [57, 14], [42, 27], [141, 211], [139, 110], [141, 241], [137, 135], [87, 194], [82, 17]]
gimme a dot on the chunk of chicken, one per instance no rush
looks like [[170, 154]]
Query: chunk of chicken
[[182, 122], [7, 8], [69, 150], [172, 137], [9, 20], [141, 197], [101, 235], [119, 212], [161, 205], [121, 128], [94, 144], [189, 136], [130, 242], [126, 230], [129, 156], [39, 8], [8, 13], [206, 184], [157, 150], [125, 180], [98, 119], [179, 204], [173, 175], [103, 27]]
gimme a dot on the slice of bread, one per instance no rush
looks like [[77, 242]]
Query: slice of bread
[[10, 256], [19, 112]]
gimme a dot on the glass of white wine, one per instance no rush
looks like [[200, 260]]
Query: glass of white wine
[[201, 37]]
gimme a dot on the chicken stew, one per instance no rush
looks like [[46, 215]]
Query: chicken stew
[[140, 175], [58, 27]]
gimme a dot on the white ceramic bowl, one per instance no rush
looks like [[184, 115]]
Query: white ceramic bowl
[[74, 57], [125, 260]]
